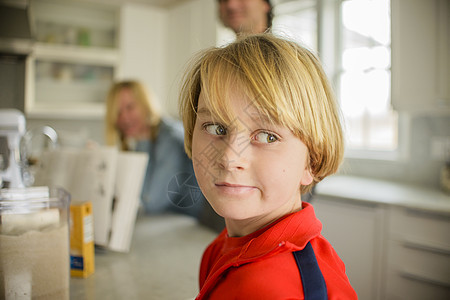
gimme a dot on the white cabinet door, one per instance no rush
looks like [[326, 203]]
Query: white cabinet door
[[418, 255], [421, 55], [355, 229]]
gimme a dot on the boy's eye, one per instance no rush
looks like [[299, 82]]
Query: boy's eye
[[215, 129], [266, 137]]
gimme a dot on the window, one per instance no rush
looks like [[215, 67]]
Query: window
[[297, 20], [360, 45], [365, 77]]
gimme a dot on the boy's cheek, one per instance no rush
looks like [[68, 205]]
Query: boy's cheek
[[201, 165], [205, 170]]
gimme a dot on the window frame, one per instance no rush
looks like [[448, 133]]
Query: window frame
[[330, 44]]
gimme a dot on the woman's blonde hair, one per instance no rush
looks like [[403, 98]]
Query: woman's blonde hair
[[139, 92], [287, 85]]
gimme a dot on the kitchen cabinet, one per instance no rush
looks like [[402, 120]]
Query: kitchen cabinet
[[421, 55], [393, 238], [418, 255], [85, 45], [75, 59], [355, 229], [147, 43]]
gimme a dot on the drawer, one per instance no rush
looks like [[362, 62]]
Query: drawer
[[419, 263], [418, 255], [420, 227], [407, 287]]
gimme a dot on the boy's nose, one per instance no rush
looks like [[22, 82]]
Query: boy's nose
[[234, 153]]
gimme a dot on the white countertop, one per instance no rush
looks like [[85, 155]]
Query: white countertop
[[384, 192], [165, 254], [163, 263]]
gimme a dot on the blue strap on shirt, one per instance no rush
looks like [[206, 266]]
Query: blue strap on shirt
[[314, 287]]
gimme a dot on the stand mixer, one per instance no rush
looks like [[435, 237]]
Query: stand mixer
[[15, 146], [34, 221], [12, 161]]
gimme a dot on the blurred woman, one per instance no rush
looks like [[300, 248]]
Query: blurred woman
[[134, 123]]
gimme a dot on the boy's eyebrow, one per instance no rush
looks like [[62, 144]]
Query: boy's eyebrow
[[258, 117], [206, 113], [203, 111]]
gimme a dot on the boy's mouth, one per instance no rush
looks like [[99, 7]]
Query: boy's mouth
[[232, 188]]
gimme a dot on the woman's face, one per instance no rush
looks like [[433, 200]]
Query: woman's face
[[131, 119]]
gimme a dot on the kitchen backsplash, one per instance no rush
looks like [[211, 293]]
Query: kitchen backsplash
[[419, 166]]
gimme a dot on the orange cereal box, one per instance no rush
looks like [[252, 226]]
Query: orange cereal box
[[81, 239]]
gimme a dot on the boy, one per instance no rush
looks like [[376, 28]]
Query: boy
[[262, 127]]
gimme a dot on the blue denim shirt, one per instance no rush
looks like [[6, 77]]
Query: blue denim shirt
[[170, 184]]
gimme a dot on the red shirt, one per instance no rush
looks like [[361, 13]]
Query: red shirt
[[261, 265]]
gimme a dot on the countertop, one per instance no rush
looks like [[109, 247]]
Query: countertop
[[384, 192], [165, 254], [163, 263]]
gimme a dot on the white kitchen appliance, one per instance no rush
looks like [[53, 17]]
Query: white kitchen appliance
[[12, 161]]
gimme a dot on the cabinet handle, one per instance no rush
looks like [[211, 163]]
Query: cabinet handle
[[423, 279], [423, 247], [414, 212]]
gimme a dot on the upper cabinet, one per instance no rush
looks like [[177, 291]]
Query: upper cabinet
[[83, 46], [421, 55], [75, 59]]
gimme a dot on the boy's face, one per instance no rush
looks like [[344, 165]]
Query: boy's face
[[250, 170]]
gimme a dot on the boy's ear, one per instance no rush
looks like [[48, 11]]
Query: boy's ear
[[307, 177]]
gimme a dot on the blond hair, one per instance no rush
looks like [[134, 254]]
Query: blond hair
[[112, 134], [287, 84]]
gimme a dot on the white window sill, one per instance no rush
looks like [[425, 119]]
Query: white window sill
[[373, 155]]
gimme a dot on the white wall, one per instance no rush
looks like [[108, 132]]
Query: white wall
[[157, 43], [192, 27], [143, 39]]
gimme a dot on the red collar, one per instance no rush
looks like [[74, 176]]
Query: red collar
[[295, 229], [288, 234]]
